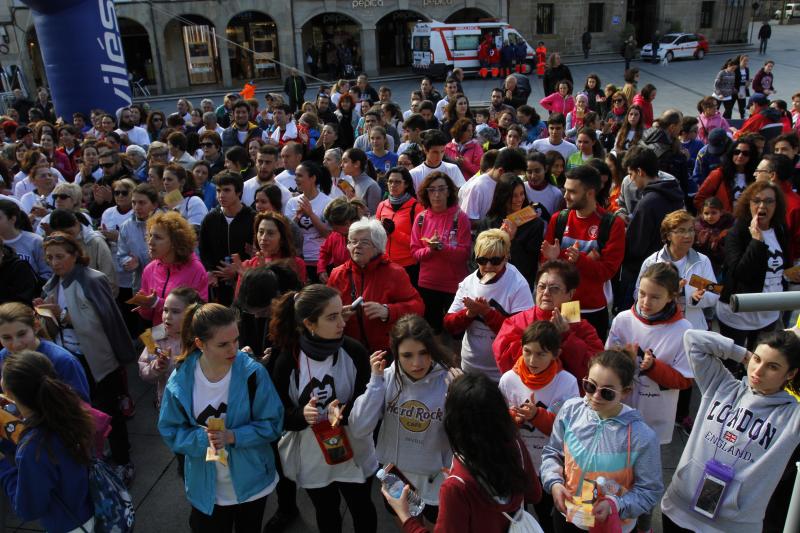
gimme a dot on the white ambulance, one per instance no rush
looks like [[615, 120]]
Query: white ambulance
[[438, 47]]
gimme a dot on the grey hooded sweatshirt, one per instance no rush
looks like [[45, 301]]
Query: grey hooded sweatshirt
[[754, 433]]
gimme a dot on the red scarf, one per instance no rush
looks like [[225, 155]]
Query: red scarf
[[536, 381]]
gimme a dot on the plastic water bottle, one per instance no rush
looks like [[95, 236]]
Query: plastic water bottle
[[394, 486], [608, 486]]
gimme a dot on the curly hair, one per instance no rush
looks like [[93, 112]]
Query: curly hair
[[284, 228], [181, 234], [459, 127], [742, 209]]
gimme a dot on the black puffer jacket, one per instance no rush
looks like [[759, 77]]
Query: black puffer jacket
[[671, 158]]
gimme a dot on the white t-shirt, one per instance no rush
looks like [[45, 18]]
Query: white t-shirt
[[510, 294], [113, 220], [550, 197], [25, 184], [136, 135], [566, 148], [193, 209], [203, 129], [419, 173], [286, 179], [563, 387], [754, 320], [312, 240], [475, 197], [252, 185], [739, 185], [657, 405], [30, 199], [440, 105]]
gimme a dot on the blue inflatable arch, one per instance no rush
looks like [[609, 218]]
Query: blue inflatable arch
[[82, 54]]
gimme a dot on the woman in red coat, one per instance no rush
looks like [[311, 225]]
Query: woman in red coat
[[555, 284], [384, 286], [397, 214]]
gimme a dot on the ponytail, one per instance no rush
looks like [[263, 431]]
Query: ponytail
[[56, 407], [199, 322], [291, 310]]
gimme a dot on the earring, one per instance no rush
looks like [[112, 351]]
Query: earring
[[313, 333]]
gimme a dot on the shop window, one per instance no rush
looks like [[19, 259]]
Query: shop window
[[201, 53], [706, 14], [545, 18], [596, 16]]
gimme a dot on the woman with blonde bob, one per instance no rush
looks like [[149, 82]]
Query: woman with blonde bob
[[171, 242], [496, 281]]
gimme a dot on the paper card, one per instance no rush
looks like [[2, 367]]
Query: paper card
[[571, 311], [703, 284], [45, 312], [173, 198], [138, 299], [489, 276], [216, 424], [147, 339], [579, 508], [11, 426], [345, 187], [524, 215]]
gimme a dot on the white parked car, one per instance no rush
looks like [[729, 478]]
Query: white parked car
[[676, 46]]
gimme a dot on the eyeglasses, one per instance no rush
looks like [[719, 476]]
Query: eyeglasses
[[56, 239], [108, 165], [121, 192], [482, 261], [552, 289], [618, 100], [683, 231], [360, 242], [605, 393], [741, 152], [61, 196], [766, 202], [437, 190], [760, 170]]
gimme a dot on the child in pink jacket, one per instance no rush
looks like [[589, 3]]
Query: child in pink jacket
[[709, 118], [560, 101]]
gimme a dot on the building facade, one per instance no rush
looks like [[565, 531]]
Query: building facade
[[178, 46]]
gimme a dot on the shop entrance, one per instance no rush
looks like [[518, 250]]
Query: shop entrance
[[258, 35], [136, 46], [643, 14], [334, 43], [393, 36]]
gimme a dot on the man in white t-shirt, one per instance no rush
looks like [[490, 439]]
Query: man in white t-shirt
[[475, 197], [291, 156], [433, 143], [450, 90], [210, 124], [265, 167], [135, 134], [555, 139]]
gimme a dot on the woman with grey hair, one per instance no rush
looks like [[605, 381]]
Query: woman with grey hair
[[332, 160], [385, 288], [65, 196]]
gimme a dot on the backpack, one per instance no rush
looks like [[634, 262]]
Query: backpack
[[603, 233], [523, 522], [113, 504]]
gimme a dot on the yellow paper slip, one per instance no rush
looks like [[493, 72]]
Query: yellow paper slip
[[571, 311], [171, 199], [138, 299], [216, 424], [524, 215], [704, 284]]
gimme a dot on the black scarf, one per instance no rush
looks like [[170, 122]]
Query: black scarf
[[319, 349]]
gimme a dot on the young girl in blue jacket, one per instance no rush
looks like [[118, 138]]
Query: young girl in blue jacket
[[48, 479], [214, 379]]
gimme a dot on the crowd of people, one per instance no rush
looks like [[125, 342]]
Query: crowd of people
[[501, 307]]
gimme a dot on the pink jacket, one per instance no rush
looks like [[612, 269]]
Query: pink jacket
[[472, 152], [708, 124], [442, 270], [163, 277], [555, 103], [647, 109]]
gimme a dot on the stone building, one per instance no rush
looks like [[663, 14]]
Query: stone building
[[181, 46]]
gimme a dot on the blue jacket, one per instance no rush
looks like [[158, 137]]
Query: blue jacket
[[68, 367], [250, 459], [38, 475]]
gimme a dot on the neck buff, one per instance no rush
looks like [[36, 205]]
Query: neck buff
[[319, 349], [399, 200], [670, 313], [536, 381]]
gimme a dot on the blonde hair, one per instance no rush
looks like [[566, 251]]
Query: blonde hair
[[492, 243], [672, 221]]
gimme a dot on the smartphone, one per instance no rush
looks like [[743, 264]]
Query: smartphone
[[357, 303], [710, 495]]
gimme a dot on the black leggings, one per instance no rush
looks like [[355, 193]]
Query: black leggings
[[245, 517], [742, 103], [105, 397], [436, 305], [544, 512], [358, 497], [598, 319], [560, 524]]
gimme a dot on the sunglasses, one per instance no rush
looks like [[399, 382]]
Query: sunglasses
[[121, 192], [107, 165], [741, 152], [61, 196], [206, 145], [605, 393], [482, 261]]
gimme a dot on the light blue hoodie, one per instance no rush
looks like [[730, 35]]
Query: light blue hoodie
[[250, 459]]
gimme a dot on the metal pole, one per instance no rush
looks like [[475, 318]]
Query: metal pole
[[793, 516]]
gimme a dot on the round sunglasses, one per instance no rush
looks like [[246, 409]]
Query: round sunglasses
[[605, 393]]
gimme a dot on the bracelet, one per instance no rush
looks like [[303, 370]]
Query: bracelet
[[387, 313]]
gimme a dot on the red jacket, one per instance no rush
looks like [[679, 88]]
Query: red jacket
[[466, 507], [380, 281], [333, 252], [67, 164], [578, 345], [472, 152], [715, 185], [398, 246], [647, 109], [792, 219]]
